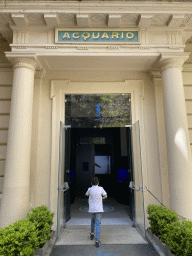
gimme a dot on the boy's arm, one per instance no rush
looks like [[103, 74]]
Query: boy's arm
[[104, 197], [87, 193]]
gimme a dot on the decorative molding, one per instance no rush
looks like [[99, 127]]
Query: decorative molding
[[168, 60], [23, 57], [144, 36], [174, 48], [98, 20], [67, 18], [20, 20], [113, 47], [51, 20], [20, 37], [25, 64], [36, 18], [145, 20], [160, 20], [82, 48], [114, 20], [82, 20], [51, 47], [129, 19], [21, 47], [186, 35], [144, 48], [175, 20], [174, 37]]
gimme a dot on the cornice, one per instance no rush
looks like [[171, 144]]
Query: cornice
[[84, 6]]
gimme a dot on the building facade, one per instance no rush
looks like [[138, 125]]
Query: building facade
[[50, 49]]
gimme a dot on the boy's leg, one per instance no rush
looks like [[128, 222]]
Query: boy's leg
[[98, 225], [93, 223]]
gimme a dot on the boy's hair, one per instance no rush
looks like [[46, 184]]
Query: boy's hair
[[94, 181]]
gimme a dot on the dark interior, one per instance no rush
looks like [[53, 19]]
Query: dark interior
[[109, 149]]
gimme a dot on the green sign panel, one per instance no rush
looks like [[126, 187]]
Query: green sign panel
[[69, 36]]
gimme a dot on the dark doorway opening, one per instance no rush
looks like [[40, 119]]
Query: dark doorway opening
[[106, 154]]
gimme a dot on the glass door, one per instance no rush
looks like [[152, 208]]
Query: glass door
[[60, 203], [63, 205], [137, 183]]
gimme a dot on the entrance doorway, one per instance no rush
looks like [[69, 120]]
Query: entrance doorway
[[98, 143], [100, 146], [106, 154]]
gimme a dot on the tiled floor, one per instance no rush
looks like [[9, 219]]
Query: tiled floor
[[119, 214]]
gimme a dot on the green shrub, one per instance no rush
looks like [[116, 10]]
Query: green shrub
[[42, 217], [18, 239], [179, 237], [24, 236], [165, 224], [160, 217]]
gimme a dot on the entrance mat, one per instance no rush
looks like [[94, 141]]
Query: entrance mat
[[106, 208], [103, 250]]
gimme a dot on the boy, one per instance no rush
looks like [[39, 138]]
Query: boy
[[96, 194]]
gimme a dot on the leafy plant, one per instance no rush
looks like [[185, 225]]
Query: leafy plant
[[160, 217], [24, 236], [176, 234], [42, 218], [179, 238], [18, 239]]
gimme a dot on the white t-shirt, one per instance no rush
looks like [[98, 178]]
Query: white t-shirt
[[95, 194]]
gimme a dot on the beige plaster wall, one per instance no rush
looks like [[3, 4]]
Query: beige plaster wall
[[41, 147], [5, 102], [41, 144]]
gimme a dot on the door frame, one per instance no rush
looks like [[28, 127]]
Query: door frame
[[61, 87]]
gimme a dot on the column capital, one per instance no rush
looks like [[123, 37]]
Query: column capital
[[172, 60], [20, 60], [25, 63]]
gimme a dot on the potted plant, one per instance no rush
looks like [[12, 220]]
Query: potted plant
[[172, 236]]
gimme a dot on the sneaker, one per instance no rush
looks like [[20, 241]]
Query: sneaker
[[97, 243], [91, 236]]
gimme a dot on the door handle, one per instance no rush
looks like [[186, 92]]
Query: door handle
[[67, 171]]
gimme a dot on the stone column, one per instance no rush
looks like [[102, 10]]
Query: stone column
[[177, 135], [15, 201]]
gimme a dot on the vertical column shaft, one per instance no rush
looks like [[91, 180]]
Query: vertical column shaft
[[15, 201], [178, 145]]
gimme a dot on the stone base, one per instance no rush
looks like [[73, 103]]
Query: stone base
[[160, 248], [42, 251]]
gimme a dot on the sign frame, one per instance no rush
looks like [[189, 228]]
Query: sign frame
[[97, 30]]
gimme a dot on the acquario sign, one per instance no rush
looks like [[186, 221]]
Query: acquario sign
[[74, 36]]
